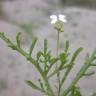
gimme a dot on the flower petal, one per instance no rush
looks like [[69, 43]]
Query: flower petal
[[53, 19], [62, 18]]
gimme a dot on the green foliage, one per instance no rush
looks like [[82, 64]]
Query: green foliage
[[32, 46], [75, 92], [94, 94], [82, 3], [3, 84], [18, 39], [45, 61], [31, 84], [27, 28], [2, 14]]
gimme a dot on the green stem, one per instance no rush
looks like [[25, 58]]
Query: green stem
[[59, 69], [71, 65], [58, 73], [57, 50], [65, 77], [79, 75], [50, 92], [29, 58]]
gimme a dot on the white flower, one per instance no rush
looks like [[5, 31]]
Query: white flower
[[62, 18], [55, 18]]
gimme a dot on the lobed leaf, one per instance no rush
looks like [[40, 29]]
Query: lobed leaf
[[18, 39], [31, 84], [32, 46], [45, 46], [76, 54], [66, 46]]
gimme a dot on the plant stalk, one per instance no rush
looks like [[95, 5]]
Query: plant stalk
[[57, 52], [79, 75]]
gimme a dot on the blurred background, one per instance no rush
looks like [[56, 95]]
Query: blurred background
[[31, 17]]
